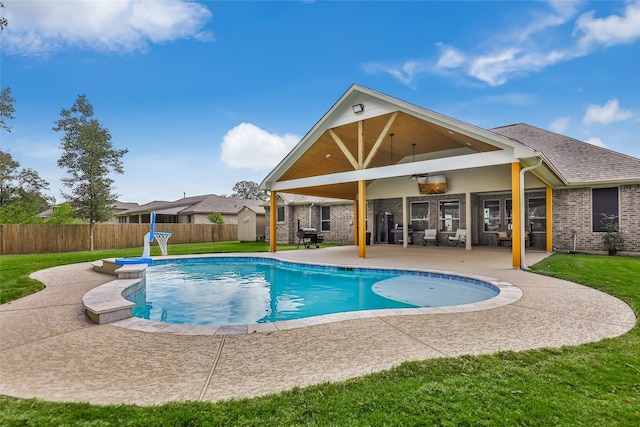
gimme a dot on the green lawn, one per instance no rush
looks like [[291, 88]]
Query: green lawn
[[15, 269], [590, 385]]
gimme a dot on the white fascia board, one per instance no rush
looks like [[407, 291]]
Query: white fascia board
[[602, 183], [406, 169]]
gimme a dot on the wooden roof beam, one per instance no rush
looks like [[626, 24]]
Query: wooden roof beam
[[380, 140], [344, 149]]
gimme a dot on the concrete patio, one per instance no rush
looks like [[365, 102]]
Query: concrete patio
[[50, 350]]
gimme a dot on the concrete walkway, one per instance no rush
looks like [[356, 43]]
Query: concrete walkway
[[50, 350]]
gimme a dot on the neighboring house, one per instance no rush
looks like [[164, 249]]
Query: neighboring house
[[118, 208], [189, 210], [392, 163]]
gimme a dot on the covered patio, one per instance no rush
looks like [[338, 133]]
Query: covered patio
[[370, 147]]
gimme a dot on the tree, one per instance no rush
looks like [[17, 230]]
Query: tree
[[6, 108], [22, 195], [18, 213], [22, 192], [3, 20], [62, 214], [8, 173], [216, 218], [31, 190], [89, 158], [248, 190]]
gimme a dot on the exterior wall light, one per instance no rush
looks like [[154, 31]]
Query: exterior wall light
[[358, 108]]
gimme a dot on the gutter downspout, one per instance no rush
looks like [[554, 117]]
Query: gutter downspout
[[523, 265]]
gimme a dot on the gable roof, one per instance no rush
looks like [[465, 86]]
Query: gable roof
[[388, 138], [580, 163]]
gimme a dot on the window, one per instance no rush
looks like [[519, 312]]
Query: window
[[538, 214], [419, 216], [122, 220], [508, 212], [279, 214], [326, 218], [604, 201], [491, 215], [449, 215]]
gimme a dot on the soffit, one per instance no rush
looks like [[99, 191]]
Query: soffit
[[326, 156], [345, 190]]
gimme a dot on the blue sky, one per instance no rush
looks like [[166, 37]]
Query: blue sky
[[206, 94]]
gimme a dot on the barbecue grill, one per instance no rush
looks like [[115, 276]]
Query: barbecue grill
[[308, 237]]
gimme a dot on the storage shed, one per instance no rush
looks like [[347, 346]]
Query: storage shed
[[251, 224]]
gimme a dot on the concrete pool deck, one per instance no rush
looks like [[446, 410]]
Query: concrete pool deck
[[50, 350]]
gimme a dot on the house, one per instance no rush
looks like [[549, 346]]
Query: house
[[398, 164], [189, 210], [118, 207]]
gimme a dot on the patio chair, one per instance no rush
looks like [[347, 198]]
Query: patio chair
[[503, 237], [430, 236], [459, 239]]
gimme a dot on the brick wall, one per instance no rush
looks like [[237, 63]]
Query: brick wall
[[630, 216], [309, 216], [572, 219]]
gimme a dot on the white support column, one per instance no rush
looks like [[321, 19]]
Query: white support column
[[468, 221], [405, 223]]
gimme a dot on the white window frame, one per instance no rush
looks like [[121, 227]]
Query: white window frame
[[325, 223], [417, 221], [538, 219], [448, 224], [280, 219], [487, 216]]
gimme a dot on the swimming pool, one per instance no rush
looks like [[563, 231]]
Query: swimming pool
[[250, 290]]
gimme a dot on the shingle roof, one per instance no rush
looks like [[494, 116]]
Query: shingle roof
[[578, 161], [224, 205], [203, 204]]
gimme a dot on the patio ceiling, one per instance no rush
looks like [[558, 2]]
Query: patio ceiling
[[327, 162], [326, 156]]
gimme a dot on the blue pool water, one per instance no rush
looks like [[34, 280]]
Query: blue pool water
[[239, 290]]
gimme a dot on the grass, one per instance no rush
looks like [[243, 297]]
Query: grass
[[15, 269], [595, 384]]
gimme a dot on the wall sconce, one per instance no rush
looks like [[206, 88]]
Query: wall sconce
[[358, 108]]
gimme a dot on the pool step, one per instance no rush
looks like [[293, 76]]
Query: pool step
[[126, 271]]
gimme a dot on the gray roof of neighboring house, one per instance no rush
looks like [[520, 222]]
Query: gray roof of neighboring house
[[120, 206], [578, 161], [203, 204]]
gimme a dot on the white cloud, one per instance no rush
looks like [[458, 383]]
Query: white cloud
[[42, 27], [608, 31], [246, 146], [560, 125], [496, 68], [529, 47], [608, 113], [405, 73], [596, 141], [450, 57]]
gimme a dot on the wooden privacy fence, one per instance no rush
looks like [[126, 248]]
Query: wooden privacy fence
[[40, 238]]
